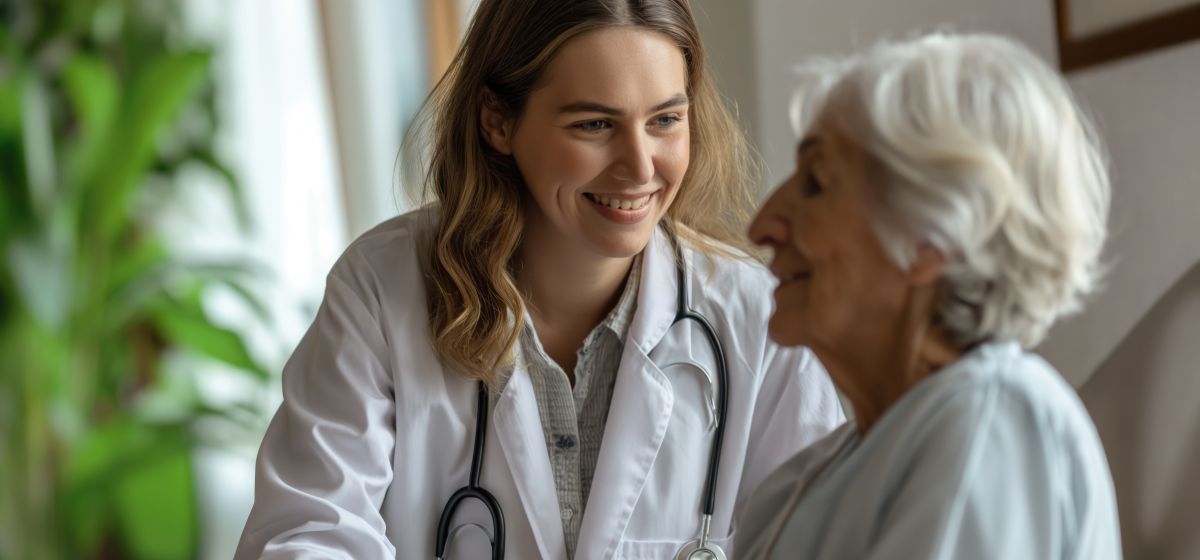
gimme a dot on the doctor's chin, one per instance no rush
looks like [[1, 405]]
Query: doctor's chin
[[599, 279]]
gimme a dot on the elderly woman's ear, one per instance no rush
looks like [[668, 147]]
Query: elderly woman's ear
[[928, 265]]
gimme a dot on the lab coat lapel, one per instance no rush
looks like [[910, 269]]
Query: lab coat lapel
[[519, 429], [639, 413], [656, 294]]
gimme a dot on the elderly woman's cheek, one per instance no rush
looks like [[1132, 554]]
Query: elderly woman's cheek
[[789, 324]]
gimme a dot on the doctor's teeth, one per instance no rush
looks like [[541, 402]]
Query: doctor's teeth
[[618, 204]]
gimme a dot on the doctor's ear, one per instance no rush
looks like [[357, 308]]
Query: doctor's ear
[[495, 123], [928, 265]]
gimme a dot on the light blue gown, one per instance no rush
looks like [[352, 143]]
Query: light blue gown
[[994, 456]]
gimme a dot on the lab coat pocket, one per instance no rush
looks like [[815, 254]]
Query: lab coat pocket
[[663, 550]]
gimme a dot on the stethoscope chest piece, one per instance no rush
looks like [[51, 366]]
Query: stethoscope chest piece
[[693, 551]]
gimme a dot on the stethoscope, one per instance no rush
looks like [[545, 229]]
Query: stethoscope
[[697, 549]]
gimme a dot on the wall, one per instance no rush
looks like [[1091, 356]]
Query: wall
[[727, 28], [1149, 113], [1150, 426]]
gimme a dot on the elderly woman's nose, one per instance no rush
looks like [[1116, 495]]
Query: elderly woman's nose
[[769, 227]]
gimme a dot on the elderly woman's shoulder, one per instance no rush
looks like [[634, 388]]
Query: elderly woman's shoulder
[[1003, 387]]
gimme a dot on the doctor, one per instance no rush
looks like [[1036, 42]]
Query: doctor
[[566, 140]]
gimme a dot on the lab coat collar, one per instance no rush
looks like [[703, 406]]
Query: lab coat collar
[[657, 293]]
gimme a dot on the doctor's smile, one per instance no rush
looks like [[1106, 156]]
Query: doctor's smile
[[622, 208]]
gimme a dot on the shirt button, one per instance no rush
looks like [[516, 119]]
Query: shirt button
[[567, 513]]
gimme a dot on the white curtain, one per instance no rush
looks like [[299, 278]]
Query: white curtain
[[276, 133], [378, 79]]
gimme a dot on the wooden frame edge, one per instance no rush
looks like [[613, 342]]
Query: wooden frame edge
[[1164, 30]]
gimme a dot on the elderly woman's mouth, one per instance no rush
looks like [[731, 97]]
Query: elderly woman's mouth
[[805, 275], [790, 273], [792, 277]]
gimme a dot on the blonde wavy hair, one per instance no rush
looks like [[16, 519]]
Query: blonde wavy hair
[[475, 308]]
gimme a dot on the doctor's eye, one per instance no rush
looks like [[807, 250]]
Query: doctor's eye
[[592, 126], [667, 121]]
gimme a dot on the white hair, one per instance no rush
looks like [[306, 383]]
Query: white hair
[[988, 159]]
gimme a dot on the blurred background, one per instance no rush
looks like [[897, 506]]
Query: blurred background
[[177, 177]]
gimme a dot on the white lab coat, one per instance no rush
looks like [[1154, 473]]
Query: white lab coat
[[375, 434]]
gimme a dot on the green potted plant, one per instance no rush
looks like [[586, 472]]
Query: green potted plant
[[102, 103]]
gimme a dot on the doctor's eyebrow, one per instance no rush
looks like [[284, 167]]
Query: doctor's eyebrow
[[593, 107]]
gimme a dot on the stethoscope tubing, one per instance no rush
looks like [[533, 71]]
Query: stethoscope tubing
[[473, 489], [684, 311]]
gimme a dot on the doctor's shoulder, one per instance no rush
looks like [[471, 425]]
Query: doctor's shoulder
[[385, 260], [733, 281]]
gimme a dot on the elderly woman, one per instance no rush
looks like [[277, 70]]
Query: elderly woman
[[948, 206]]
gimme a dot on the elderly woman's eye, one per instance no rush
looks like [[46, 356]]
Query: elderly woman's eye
[[811, 186]]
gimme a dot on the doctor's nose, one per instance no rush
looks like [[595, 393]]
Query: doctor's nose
[[635, 159]]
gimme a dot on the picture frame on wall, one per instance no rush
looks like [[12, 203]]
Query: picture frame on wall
[[1092, 32]]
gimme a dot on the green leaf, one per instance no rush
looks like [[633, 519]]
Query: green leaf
[[92, 89], [146, 258], [184, 322], [7, 220], [154, 98], [156, 505], [42, 269], [16, 207], [236, 196], [95, 465], [249, 297], [141, 473], [37, 140], [143, 274], [232, 274], [10, 101], [136, 278]]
